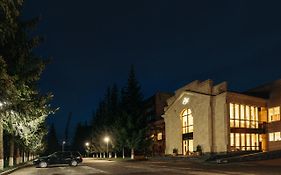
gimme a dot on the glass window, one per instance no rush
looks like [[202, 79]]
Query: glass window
[[187, 121], [271, 137], [231, 109], [242, 139], [236, 111], [276, 136], [274, 114], [231, 139], [248, 139], [247, 113], [237, 139], [242, 112], [159, 136]]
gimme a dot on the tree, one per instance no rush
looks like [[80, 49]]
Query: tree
[[23, 108], [52, 141], [132, 118]]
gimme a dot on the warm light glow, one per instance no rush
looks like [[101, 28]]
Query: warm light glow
[[63, 142], [187, 121], [87, 144], [106, 139], [185, 100], [274, 114], [159, 136]]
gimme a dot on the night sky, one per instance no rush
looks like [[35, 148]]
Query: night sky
[[171, 43]]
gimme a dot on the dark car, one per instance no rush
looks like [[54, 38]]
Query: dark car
[[72, 158]]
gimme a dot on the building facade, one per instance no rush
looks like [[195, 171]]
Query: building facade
[[219, 121], [154, 109]]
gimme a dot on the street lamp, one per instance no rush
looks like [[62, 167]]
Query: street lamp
[[63, 143], [106, 139], [87, 144]]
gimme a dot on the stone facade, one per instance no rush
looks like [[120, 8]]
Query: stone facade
[[210, 114], [207, 104]]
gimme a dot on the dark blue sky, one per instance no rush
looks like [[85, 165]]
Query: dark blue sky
[[93, 44]]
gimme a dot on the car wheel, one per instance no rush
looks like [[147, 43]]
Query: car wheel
[[73, 163], [43, 164]]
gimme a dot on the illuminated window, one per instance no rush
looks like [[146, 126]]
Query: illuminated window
[[237, 139], [232, 139], [187, 121], [274, 136], [248, 141], [271, 137], [277, 136], [159, 136], [231, 111], [243, 140], [243, 116], [274, 114]]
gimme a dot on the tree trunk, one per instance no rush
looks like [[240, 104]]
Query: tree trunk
[[12, 150], [115, 156], [1, 146], [21, 156], [123, 153], [18, 156], [132, 153], [24, 156]]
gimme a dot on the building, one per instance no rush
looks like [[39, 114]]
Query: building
[[221, 121], [154, 109]]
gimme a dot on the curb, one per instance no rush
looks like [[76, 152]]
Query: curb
[[9, 171]]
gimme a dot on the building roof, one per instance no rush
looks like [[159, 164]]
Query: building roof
[[264, 90]]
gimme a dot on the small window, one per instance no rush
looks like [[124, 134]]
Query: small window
[[277, 136], [159, 136], [274, 114], [271, 137]]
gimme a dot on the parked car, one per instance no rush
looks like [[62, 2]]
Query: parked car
[[72, 158]]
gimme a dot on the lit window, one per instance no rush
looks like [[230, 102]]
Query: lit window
[[187, 121], [242, 139], [277, 136], [242, 116], [159, 136], [248, 140], [236, 111], [231, 109], [231, 139], [271, 137], [274, 114], [237, 139]]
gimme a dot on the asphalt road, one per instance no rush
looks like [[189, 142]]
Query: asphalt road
[[154, 167]]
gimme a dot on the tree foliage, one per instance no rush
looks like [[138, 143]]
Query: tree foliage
[[120, 116], [24, 108]]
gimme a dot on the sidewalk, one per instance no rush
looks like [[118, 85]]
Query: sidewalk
[[14, 168]]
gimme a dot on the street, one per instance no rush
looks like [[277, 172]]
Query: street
[[154, 167]]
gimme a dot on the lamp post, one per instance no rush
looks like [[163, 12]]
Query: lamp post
[[106, 139], [63, 143], [87, 144]]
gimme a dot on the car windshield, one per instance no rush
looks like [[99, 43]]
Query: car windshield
[[53, 155]]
